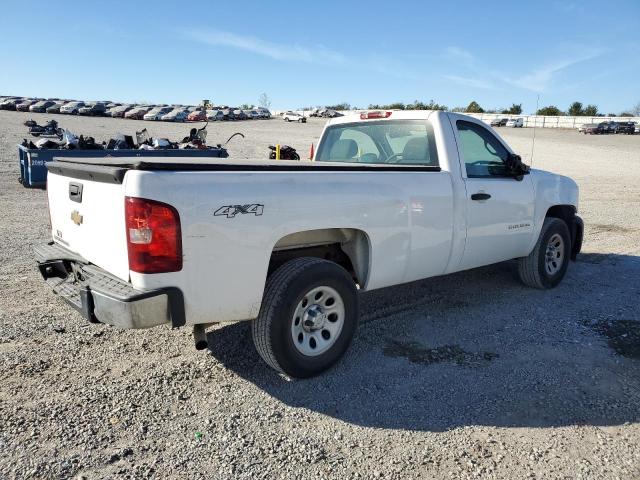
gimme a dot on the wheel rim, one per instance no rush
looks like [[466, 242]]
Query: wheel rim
[[317, 321], [554, 256]]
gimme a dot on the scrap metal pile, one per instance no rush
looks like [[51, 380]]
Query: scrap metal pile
[[53, 137]]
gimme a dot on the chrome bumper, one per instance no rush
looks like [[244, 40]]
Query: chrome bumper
[[102, 298]]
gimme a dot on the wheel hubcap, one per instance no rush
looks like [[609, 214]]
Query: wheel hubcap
[[317, 321], [554, 256]]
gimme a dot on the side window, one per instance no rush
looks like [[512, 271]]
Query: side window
[[482, 152]]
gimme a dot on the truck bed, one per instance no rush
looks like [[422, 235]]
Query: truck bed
[[113, 169]]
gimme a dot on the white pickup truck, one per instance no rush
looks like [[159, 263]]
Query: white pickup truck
[[391, 197]]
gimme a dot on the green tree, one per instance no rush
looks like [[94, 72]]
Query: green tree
[[516, 109], [590, 111], [264, 101], [575, 109], [551, 110], [339, 106], [473, 107]]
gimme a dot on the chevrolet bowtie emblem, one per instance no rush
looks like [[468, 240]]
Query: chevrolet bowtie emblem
[[76, 217]]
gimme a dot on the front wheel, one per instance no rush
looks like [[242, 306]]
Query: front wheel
[[308, 317], [547, 264]]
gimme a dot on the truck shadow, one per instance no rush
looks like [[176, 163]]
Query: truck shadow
[[493, 353]]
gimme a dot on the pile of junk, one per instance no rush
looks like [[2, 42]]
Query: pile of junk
[[53, 137]]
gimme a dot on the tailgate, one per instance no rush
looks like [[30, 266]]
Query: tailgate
[[87, 217]]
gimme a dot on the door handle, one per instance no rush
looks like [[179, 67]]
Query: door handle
[[480, 196]]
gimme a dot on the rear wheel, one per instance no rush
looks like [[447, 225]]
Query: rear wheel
[[308, 317], [547, 264]]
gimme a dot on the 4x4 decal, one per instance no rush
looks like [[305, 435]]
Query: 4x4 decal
[[230, 211]]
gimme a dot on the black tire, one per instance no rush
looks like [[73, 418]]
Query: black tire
[[286, 287], [532, 269]]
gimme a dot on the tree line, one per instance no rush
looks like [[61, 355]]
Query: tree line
[[576, 109]]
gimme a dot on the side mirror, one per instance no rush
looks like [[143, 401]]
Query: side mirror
[[515, 167]]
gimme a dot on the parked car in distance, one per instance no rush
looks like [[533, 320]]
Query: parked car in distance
[[600, 128], [71, 108], [55, 108], [515, 122], [627, 128], [215, 115], [118, 111], [175, 115], [24, 105], [263, 112], [294, 117], [157, 113], [41, 106], [137, 113], [239, 114], [331, 113], [499, 122], [9, 103], [591, 129], [197, 116], [93, 109], [609, 127]]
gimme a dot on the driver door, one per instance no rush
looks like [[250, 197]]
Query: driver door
[[499, 208]]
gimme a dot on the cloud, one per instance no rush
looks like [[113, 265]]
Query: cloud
[[276, 51], [303, 54], [470, 82], [539, 80], [458, 53]]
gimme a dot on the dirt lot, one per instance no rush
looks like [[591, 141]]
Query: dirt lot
[[466, 376]]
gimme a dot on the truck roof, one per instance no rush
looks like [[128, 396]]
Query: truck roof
[[352, 117]]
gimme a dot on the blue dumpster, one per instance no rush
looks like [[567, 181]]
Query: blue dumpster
[[33, 171]]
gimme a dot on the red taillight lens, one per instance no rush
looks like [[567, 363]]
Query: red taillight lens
[[154, 239], [376, 114]]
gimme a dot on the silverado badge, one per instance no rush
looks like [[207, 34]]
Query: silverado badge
[[76, 217]]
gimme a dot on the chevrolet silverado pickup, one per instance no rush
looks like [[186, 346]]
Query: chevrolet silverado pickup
[[391, 197]]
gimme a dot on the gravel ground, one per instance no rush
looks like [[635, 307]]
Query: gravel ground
[[466, 376]]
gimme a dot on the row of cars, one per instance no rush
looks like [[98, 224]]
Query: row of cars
[[602, 128], [167, 113], [508, 122]]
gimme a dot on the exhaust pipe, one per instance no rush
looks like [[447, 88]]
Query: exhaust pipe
[[200, 336]]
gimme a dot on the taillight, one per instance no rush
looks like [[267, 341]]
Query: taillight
[[154, 239], [375, 114]]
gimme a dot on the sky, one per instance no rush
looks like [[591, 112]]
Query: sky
[[312, 53]]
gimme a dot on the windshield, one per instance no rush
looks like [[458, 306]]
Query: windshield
[[403, 142]]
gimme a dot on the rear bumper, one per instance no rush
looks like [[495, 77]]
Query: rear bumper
[[102, 298]]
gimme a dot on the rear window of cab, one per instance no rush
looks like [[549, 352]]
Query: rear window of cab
[[389, 142]]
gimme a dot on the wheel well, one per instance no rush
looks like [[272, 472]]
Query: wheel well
[[563, 212], [348, 247]]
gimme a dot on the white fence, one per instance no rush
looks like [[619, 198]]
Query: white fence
[[552, 122], [540, 121]]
